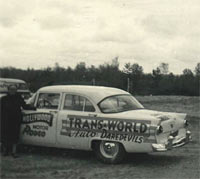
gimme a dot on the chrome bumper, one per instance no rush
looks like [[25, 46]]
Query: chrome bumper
[[172, 143]]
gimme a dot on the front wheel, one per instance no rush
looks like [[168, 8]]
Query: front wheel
[[109, 152]]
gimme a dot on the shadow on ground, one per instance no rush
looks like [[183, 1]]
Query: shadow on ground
[[138, 159]]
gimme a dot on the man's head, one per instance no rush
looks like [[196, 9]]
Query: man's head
[[12, 89]]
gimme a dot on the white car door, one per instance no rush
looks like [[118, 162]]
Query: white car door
[[73, 124], [39, 127]]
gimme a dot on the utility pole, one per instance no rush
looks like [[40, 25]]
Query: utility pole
[[128, 84], [93, 81]]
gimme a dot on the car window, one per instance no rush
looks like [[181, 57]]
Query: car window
[[48, 101], [31, 100], [78, 103], [119, 103]]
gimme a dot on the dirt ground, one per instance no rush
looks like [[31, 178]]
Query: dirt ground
[[180, 163]]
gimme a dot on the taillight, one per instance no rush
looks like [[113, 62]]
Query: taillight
[[159, 129], [186, 123]]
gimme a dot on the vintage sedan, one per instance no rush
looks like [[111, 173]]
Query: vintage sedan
[[22, 87], [108, 121]]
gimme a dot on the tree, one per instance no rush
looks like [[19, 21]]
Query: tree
[[187, 72], [164, 68], [109, 74], [127, 68], [134, 69], [160, 78], [80, 71], [197, 69], [187, 82], [156, 72], [134, 72], [80, 66], [56, 66], [115, 62]]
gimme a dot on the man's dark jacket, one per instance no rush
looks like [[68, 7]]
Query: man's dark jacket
[[11, 117]]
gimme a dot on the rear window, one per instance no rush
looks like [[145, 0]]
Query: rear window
[[119, 103]]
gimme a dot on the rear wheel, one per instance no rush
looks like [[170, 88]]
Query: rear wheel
[[109, 151]]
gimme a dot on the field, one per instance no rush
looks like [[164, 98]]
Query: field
[[183, 104], [182, 163]]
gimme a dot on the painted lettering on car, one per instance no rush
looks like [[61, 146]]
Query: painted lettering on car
[[108, 128]]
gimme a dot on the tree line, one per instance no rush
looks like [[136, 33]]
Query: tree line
[[131, 78]]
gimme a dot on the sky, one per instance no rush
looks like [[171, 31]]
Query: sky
[[39, 33]]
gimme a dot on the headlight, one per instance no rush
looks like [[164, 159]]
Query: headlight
[[159, 129]]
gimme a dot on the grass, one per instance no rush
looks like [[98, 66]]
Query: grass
[[182, 104]]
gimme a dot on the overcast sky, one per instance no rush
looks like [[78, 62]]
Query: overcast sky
[[39, 33]]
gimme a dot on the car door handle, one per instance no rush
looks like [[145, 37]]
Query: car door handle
[[92, 115], [53, 111]]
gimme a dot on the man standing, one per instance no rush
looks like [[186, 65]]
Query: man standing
[[11, 117]]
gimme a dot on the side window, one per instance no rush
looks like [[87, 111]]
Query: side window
[[89, 106], [48, 101], [74, 102], [78, 103]]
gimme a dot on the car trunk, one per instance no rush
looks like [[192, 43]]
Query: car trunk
[[172, 123]]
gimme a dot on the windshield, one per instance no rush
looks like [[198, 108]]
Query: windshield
[[22, 86], [119, 103]]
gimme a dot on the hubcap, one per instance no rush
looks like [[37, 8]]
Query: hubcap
[[109, 149]]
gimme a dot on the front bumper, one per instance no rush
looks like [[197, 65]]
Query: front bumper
[[172, 143]]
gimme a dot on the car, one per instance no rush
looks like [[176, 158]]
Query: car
[[22, 87], [109, 121]]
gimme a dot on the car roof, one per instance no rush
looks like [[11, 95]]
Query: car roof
[[5, 82], [96, 93], [2, 94], [11, 80]]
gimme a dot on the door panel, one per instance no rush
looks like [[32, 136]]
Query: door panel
[[70, 130], [70, 133], [39, 127]]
